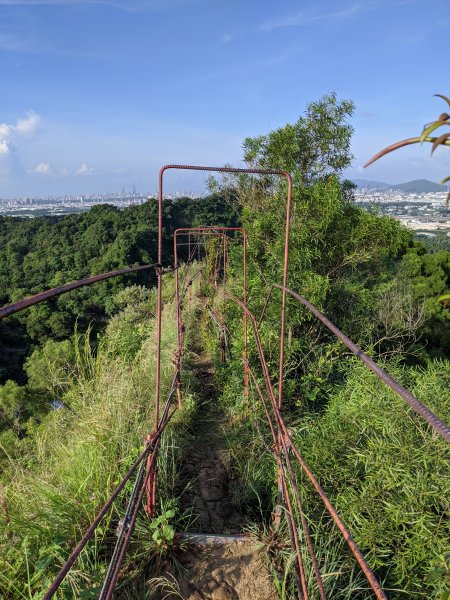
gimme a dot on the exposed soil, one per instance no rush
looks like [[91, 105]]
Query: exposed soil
[[231, 571], [226, 572], [207, 465]]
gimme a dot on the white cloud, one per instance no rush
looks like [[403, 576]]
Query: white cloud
[[227, 37], [4, 147], [28, 125], [23, 127], [5, 132], [84, 170], [42, 168]]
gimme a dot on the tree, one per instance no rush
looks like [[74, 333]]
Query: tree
[[316, 145]]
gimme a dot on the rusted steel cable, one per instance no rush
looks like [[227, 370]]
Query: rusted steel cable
[[121, 548], [300, 571], [439, 426], [62, 289], [124, 525], [370, 576], [90, 531], [149, 449], [293, 530], [305, 526]]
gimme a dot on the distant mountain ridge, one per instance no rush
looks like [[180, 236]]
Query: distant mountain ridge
[[371, 185], [417, 186]]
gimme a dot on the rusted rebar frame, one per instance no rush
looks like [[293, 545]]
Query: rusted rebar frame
[[237, 171], [220, 232], [284, 437], [15, 307], [201, 232], [152, 441], [149, 451], [423, 411]]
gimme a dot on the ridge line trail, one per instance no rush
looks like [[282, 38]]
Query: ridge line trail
[[231, 571]]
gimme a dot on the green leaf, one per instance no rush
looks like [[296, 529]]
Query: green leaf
[[169, 514], [430, 128], [44, 562], [168, 532]]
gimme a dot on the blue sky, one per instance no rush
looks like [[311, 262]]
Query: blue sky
[[96, 95]]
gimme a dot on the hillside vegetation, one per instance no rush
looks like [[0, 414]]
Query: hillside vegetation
[[55, 480], [74, 406]]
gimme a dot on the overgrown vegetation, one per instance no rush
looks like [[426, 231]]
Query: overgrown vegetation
[[57, 477], [383, 468], [37, 254], [71, 431]]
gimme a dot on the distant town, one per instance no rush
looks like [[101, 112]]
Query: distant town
[[424, 211], [32, 207]]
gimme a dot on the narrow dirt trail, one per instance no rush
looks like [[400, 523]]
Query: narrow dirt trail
[[225, 571], [207, 460]]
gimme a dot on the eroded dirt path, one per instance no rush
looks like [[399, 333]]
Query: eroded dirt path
[[227, 572], [231, 571], [206, 465]]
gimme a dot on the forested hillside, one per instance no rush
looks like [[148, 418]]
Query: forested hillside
[[378, 461], [46, 252]]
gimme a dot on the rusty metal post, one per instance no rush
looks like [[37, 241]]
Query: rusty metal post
[[245, 357], [190, 258], [159, 302], [179, 319], [225, 250], [285, 274], [151, 488], [198, 261]]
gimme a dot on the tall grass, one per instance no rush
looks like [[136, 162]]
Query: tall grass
[[387, 473], [383, 468], [68, 467]]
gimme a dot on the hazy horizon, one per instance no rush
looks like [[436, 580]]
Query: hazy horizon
[[100, 94]]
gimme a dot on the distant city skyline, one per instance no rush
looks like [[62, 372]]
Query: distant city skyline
[[176, 193], [98, 94]]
